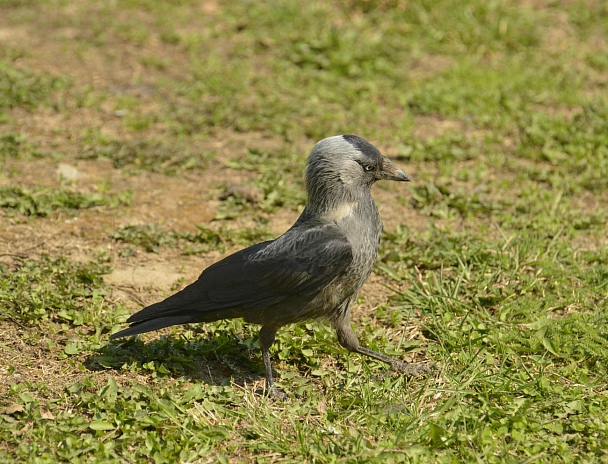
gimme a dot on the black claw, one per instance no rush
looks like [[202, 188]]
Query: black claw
[[274, 393], [413, 370]]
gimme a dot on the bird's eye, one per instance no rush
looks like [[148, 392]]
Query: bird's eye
[[368, 167]]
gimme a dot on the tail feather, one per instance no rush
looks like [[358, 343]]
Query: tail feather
[[152, 324], [190, 300]]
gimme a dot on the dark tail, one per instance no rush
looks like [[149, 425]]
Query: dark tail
[[192, 304], [150, 325]]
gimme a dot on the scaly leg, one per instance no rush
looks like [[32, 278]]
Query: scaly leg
[[349, 340], [267, 336]]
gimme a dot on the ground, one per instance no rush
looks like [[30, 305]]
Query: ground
[[141, 142]]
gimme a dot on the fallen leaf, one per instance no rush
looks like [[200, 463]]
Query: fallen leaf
[[13, 408], [23, 429]]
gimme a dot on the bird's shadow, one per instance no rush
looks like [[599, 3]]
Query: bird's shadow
[[219, 359]]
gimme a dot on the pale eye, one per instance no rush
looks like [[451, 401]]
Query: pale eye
[[368, 167]]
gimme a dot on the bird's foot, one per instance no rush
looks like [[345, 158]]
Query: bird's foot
[[277, 394], [413, 370], [273, 392]]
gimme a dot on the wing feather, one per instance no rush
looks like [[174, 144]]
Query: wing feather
[[298, 264]]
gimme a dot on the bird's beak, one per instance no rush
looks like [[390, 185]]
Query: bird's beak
[[392, 172]]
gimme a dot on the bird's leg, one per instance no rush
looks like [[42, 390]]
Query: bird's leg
[[267, 336], [349, 340], [410, 369]]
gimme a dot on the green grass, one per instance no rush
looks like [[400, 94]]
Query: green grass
[[49, 289], [151, 237], [275, 191], [495, 263], [145, 154], [44, 201], [17, 146], [22, 88]]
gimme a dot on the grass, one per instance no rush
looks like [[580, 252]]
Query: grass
[[23, 88], [44, 201], [493, 264], [151, 237], [144, 155], [48, 289]]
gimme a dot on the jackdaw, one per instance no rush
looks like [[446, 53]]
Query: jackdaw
[[312, 271]]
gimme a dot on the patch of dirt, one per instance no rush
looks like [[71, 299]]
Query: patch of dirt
[[34, 358], [427, 127]]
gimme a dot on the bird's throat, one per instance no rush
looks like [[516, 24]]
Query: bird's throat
[[339, 212]]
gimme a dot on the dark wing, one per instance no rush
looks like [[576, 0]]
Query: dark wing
[[300, 263]]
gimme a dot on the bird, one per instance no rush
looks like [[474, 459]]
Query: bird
[[313, 271]]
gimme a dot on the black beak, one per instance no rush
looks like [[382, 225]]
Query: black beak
[[392, 172]]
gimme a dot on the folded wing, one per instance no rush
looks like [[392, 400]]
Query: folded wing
[[297, 265]]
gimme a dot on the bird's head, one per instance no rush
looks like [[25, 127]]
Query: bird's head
[[347, 163]]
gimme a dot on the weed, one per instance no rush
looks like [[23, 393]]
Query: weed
[[25, 89], [149, 236], [144, 155], [152, 237], [43, 201], [34, 291]]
